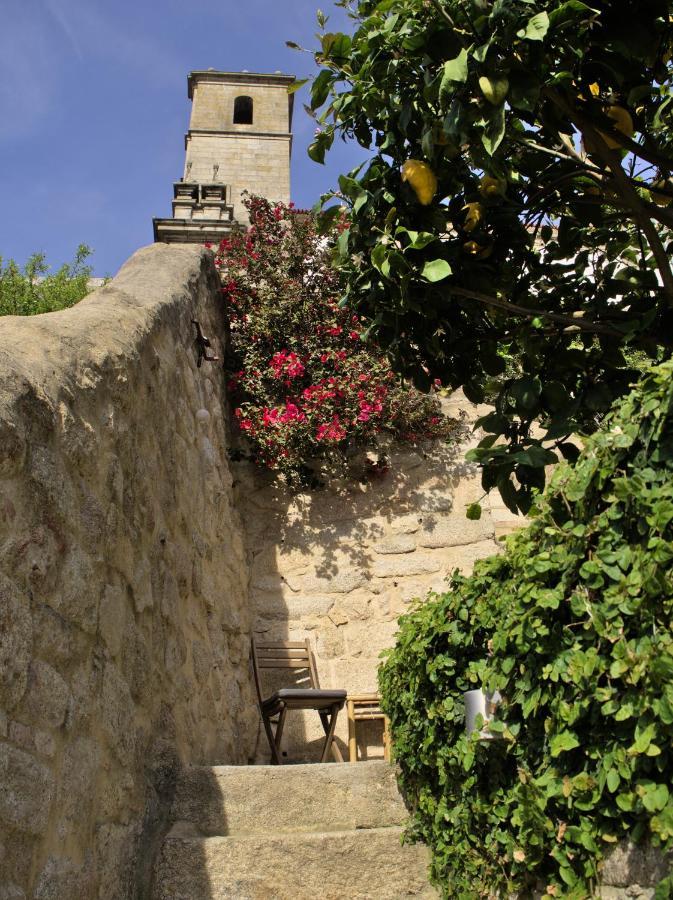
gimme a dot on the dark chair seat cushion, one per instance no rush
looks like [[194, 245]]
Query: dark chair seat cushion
[[303, 698]]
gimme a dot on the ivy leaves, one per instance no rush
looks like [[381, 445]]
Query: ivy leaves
[[572, 625]]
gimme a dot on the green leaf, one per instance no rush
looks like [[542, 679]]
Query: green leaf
[[537, 27], [562, 742], [380, 259], [297, 85], [494, 131], [655, 798], [436, 270], [568, 12], [474, 511], [454, 70], [613, 780]]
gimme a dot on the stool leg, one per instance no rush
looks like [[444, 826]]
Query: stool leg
[[352, 742], [386, 739]]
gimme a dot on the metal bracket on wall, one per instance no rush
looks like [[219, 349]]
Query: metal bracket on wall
[[203, 346]]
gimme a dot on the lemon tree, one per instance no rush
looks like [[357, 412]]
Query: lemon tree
[[511, 233]]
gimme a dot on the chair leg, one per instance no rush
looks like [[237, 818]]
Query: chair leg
[[275, 756], [352, 740], [279, 728], [330, 726]]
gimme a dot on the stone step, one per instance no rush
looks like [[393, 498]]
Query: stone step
[[366, 864], [239, 800]]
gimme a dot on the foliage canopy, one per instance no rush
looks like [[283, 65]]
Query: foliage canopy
[[534, 248], [34, 289], [572, 624]]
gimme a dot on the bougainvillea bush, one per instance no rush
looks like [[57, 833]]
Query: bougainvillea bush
[[306, 386], [573, 625]]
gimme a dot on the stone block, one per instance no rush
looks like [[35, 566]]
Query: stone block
[[464, 558], [411, 564], [63, 878], [47, 696], [116, 854], [76, 792], [454, 530], [21, 735], [342, 582], [629, 864], [408, 524], [116, 714], [16, 637], [27, 791], [55, 640], [12, 892], [400, 544], [111, 617], [292, 608]]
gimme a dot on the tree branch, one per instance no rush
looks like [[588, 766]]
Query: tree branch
[[514, 309], [639, 209]]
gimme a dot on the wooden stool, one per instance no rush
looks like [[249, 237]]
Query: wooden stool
[[363, 708]]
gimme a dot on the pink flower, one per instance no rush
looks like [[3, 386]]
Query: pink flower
[[269, 417], [333, 432], [292, 414]]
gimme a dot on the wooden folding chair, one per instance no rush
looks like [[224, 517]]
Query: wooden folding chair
[[294, 655]]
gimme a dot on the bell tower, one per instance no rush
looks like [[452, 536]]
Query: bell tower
[[239, 139]]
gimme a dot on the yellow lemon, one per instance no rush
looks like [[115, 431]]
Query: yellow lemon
[[421, 179], [474, 213], [623, 123], [476, 250], [492, 187], [494, 89], [595, 89]]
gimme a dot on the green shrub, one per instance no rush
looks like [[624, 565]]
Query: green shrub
[[572, 624], [34, 289]]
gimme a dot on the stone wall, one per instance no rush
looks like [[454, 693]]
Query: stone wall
[[341, 565], [124, 619]]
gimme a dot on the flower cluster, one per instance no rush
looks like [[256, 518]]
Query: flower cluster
[[305, 386]]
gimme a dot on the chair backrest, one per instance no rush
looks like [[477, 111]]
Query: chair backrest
[[294, 655]]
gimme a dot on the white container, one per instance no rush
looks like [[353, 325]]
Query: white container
[[479, 703]]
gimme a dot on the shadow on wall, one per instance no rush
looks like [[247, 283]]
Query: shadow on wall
[[339, 566]]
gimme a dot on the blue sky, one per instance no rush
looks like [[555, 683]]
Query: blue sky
[[93, 109]]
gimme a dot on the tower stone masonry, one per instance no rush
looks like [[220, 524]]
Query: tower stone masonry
[[239, 139]]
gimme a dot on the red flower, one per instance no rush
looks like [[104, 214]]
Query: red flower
[[333, 432]]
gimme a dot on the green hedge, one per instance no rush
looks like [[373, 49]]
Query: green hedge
[[573, 625]]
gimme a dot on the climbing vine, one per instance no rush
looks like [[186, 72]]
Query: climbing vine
[[572, 624]]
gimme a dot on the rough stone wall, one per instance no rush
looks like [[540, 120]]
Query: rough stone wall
[[124, 619], [213, 104], [259, 164], [340, 566]]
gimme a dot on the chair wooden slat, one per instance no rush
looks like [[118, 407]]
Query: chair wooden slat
[[282, 663], [280, 645]]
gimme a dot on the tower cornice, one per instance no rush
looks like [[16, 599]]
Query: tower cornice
[[260, 78]]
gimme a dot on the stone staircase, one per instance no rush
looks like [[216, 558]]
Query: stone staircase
[[295, 832]]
